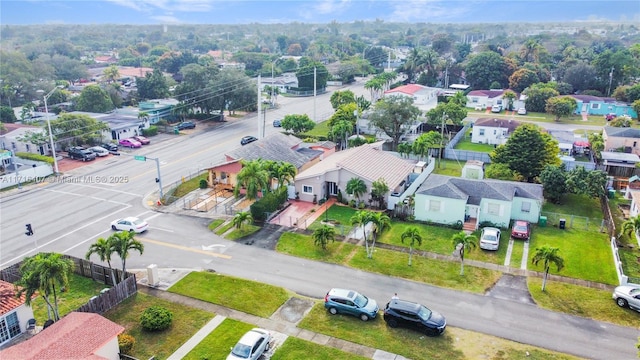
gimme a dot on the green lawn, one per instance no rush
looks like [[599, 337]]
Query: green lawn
[[295, 349], [223, 229], [580, 212], [216, 345], [186, 322], [466, 144], [215, 223], [245, 230], [448, 167], [544, 117], [189, 185], [303, 246], [320, 130], [339, 215], [249, 296]]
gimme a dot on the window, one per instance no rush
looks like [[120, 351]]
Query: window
[[434, 205], [307, 189], [595, 106], [29, 147], [9, 327], [481, 132], [493, 209], [635, 143], [526, 206], [495, 131]]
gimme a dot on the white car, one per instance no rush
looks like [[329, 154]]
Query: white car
[[626, 295], [251, 346], [490, 238], [496, 108], [99, 151], [130, 224], [522, 111]]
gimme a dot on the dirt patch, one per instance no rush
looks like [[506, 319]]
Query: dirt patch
[[66, 164]]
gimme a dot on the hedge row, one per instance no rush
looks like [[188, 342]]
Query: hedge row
[[269, 203]]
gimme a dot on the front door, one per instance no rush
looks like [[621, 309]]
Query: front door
[[332, 188]]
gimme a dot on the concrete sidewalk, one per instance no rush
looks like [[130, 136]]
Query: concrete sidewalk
[[274, 323]]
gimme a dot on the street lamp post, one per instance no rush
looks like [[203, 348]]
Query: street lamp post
[[363, 52], [52, 144]]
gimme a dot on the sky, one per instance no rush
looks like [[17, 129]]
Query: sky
[[139, 12]]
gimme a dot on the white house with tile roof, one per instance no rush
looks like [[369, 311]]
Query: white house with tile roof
[[14, 313], [424, 98], [367, 162], [448, 200], [492, 131]]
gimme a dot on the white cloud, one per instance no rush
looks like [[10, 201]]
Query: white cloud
[[167, 19], [429, 10], [331, 6], [166, 5]]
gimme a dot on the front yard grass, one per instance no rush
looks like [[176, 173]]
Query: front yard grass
[[215, 223], [245, 230], [321, 130], [224, 228], [216, 345], [295, 349], [189, 185], [448, 167], [303, 246], [249, 296], [339, 215], [186, 322]]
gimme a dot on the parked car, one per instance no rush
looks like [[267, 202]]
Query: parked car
[[496, 108], [141, 139], [277, 123], [99, 151], [610, 116], [111, 147], [186, 125], [130, 224], [522, 111], [481, 107], [627, 295], [251, 345], [248, 139], [521, 230], [80, 153], [490, 238], [130, 143], [414, 316], [351, 303]]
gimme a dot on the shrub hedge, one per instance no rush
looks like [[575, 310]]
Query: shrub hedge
[[35, 157], [269, 203]]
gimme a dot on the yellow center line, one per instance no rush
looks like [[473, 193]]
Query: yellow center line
[[180, 247]]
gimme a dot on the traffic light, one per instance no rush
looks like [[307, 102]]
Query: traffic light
[[157, 180], [29, 231]]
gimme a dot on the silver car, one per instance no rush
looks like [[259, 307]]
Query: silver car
[[627, 295], [490, 238], [251, 346]]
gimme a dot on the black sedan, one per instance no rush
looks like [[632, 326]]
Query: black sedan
[[186, 125], [414, 316], [248, 139]]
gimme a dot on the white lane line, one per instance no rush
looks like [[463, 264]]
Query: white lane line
[[152, 216], [102, 188], [65, 235], [84, 196], [162, 229], [84, 241]]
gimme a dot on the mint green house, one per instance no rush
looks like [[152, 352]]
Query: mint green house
[[449, 200]]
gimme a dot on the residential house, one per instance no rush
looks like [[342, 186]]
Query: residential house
[[450, 200], [14, 315], [424, 98], [158, 109], [11, 138], [595, 105], [621, 166], [105, 59], [621, 138], [493, 131], [485, 98], [282, 82], [367, 162], [76, 336]]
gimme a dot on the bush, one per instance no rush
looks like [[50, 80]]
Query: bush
[[156, 318], [268, 203], [35, 157], [352, 203], [203, 184], [339, 196], [361, 205], [126, 343], [151, 131]]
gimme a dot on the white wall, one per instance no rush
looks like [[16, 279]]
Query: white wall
[[26, 174]]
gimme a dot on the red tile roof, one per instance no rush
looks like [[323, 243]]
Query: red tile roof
[[8, 299], [406, 89], [76, 336]]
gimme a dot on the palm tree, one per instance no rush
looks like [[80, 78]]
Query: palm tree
[[322, 235], [102, 247], [463, 242], [362, 218], [241, 218], [30, 284], [254, 177], [285, 173], [412, 235], [547, 255], [631, 226], [122, 243], [111, 73], [356, 187], [380, 221], [379, 190]]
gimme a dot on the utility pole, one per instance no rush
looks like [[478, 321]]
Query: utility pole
[[444, 116], [159, 178], [610, 80], [315, 85], [259, 106]]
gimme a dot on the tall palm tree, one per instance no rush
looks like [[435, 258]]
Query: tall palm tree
[[463, 242], [285, 173], [122, 243], [362, 218], [254, 177], [30, 283], [102, 247], [241, 218], [412, 235], [356, 187], [322, 236], [631, 226], [548, 255], [380, 221]]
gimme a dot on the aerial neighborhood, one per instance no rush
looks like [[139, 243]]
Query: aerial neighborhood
[[318, 190]]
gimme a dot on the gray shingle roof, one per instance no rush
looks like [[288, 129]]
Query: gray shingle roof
[[276, 147], [622, 132], [476, 190]]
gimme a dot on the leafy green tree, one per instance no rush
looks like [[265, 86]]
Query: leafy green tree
[[537, 98], [405, 149], [379, 190], [486, 67], [499, 171], [193, 92], [7, 115], [463, 242], [152, 86], [305, 75], [241, 96], [253, 177], [582, 76], [554, 181], [322, 236], [297, 123], [426, 141], [111, 73], [241, 218], [547, 255], [122, 243], [340, 132], [104, 249], [528, 151], [509, 96], [620, 121], [77, 129], [356, 187], [394, 115], [561, 106], [597, 144], [451, 112], [342, 97], [413, 237], [16, 76], [94, 99], [53, 270], [522, 78]]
